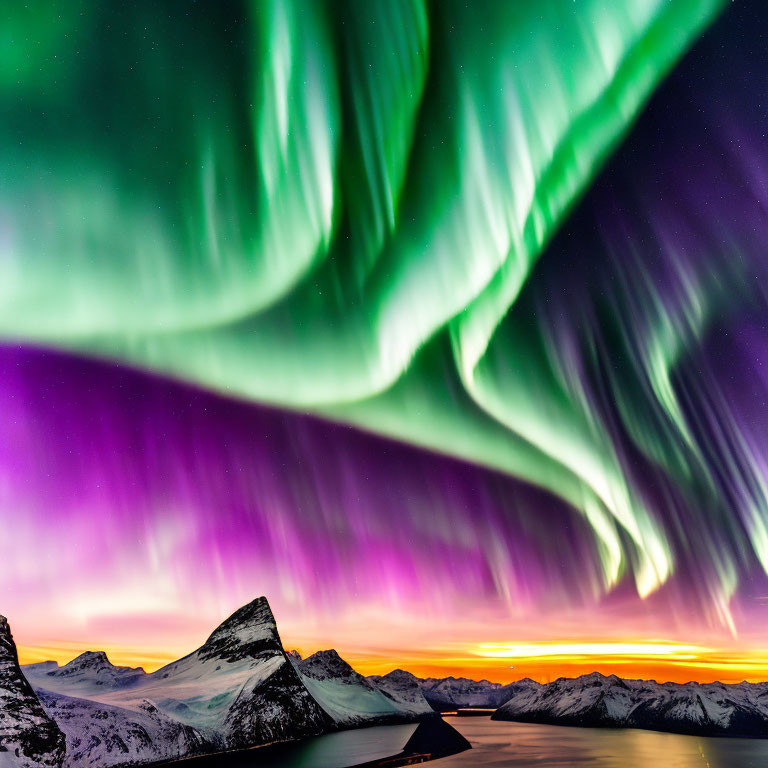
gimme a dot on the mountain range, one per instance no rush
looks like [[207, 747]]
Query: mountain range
[[241, 689], [447, 693], [594, 700]]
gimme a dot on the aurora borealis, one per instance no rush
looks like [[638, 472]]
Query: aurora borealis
[[442, 324]]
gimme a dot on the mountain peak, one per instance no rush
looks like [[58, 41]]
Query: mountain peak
[[325, 664], [90, 667], [250, 632], [402, 676], [5, 632], [401, 673], [591, 677], [89, 659], [330, 654], [27, 729], [7, 646]]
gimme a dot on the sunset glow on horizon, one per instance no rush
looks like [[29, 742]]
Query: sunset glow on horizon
[[543, 662]]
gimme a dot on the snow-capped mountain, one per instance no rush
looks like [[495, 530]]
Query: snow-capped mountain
[[403, 687], [446, 693], [353, 700], [451, 692], [238, 689], [28, 736], [596, 700], [89, 673], [103, 735]]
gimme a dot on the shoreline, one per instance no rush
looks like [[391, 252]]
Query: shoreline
[[431, 739]]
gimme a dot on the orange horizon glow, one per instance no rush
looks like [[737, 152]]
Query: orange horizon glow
[[503, 663]]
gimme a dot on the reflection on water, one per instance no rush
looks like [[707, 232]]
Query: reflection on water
[[335, 750], [388, 745], [521, 745]]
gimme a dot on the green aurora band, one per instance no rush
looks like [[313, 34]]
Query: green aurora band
[[332, 207]]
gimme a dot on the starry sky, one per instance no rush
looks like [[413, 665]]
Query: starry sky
[[443, 325]]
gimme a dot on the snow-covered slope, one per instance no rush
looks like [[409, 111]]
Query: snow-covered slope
[[238, 688], [596, 700], [451, 692], [91, 672], [352, 700], [404, 689], [102, 735], [28, 736]]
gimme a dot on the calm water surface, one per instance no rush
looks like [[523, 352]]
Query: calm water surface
[[334, 750], [522, 745]]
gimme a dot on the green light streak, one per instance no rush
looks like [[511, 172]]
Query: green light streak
[[302, 205]]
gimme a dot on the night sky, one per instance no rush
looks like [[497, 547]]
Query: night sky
[[444, 325]]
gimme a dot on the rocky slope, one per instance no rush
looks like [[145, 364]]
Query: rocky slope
[[598, 701], [103, 735], [353, 700], [238, 689], [28, 736], [403, 687]]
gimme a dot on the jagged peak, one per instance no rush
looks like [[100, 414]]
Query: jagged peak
[[90, 659], [589, 677], [330, 654], [88, 662], [257, 613], [5, 630], [251, 631], [7, 645], [402, 675], [526, 680], [328, 663]]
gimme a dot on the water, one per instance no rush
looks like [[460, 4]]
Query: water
[[335, 750], [497, 744], [520, 745]]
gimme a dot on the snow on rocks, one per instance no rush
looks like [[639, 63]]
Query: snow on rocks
[[29, 738]]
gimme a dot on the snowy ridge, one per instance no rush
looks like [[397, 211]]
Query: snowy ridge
[[352, 700], [446, 693], [249, 633], [451, 692], [402, 687], [239, 689], [28, 736], [102, 735], [594, 700], [89, 673]]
